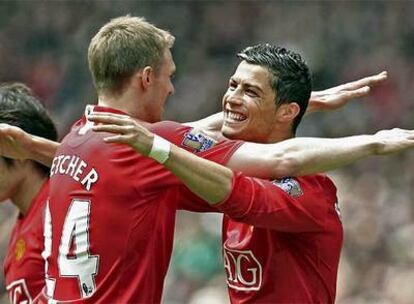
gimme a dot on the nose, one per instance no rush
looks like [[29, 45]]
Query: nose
[[172, 90], [234, 97]]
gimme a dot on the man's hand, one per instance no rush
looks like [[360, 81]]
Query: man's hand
[[337, 97], [210, 181], [127, 131], [14, 142], [394, 141]]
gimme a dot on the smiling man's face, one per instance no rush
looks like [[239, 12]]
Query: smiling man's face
[[249, 104]]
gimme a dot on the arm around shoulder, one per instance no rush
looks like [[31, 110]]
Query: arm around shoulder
[[18, 144]]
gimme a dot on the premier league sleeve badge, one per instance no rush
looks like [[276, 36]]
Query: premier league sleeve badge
[[290, 185], [197, 141]]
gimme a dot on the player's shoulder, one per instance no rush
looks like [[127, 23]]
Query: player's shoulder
[[168, 128], [196, 140], [184, 136]]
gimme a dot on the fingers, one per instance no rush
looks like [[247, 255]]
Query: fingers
[[108, 114], [116, 139], [122, 133], [110, 118], [360, 83], [409, 133], [367, 81], [112, 128], [358, 93]]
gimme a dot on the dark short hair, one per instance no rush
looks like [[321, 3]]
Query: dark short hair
[[20, 107], [290, 76]]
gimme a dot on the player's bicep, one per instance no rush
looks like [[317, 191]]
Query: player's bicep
[[188, 201], [259, 160]]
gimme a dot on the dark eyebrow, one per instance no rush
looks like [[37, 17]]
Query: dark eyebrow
[[254, 86], [247, 84]]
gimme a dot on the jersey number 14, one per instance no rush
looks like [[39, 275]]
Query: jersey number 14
[[78, 263]]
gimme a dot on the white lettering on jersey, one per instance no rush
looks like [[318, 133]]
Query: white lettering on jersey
[[18, 292], [74, 167], [89, 179], [79, 170], [243, 270]]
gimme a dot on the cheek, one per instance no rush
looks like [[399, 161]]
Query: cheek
[[3, 190], [223, 100]]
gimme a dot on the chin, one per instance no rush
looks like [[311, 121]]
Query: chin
[[231, 133], [243, 134], [153, 118], [4, 200]]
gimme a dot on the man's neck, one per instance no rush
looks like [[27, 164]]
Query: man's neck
[[217, 135], [118, 103], [280, 132], [275, 138], [27, 190]]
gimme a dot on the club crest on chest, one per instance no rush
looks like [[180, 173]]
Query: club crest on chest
[[20, 249]]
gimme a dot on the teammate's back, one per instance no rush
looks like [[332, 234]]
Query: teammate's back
[[107, 239]]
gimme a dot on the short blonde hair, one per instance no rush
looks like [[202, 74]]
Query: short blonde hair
[[122, 47]]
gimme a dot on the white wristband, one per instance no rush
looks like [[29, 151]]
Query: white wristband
[[160, 150]]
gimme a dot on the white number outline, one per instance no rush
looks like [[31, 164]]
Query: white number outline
[[15, 287], [71, 223]]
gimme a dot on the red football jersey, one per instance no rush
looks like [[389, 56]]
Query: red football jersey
[[282, 240], [24, 268], [109, 222]]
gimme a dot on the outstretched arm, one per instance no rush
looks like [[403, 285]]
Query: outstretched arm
[[293, 157], [17, 144], [339, 96], [306, 155], [326, 100]]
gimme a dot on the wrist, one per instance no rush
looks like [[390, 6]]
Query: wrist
[[160, 150], [372, 144], [377, 144], [313, 106]]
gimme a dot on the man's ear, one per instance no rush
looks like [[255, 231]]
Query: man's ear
[[287, 112], [147, 77]]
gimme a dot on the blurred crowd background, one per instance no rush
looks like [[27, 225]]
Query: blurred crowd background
[[44, 44]]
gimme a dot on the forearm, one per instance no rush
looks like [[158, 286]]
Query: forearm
[[301, 156], [15, 143], [313, 106], [208, 180], [304, 156], [43, 150]]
